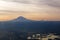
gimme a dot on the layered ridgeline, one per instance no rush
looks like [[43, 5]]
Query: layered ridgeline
[[22, 24]]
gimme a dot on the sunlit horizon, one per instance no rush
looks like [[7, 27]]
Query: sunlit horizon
[[30, 9]]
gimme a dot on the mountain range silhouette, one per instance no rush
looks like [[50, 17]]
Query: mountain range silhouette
[[22, 24]]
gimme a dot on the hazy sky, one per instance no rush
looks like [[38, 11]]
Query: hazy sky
[[31, 9]]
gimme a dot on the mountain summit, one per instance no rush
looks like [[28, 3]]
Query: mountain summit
[[21, 19]]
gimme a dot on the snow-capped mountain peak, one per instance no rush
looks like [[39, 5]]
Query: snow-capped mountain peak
[[22, 19]]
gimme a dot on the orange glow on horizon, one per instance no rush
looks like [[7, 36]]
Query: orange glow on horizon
[[30, 16]]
